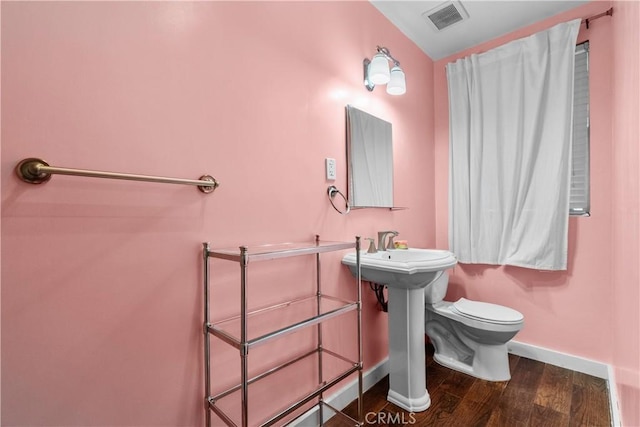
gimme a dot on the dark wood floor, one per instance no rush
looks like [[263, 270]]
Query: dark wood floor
[[538, 394]]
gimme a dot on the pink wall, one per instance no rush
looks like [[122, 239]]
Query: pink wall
[[591, 309], [101, 301], [101, 280], [626, 207]]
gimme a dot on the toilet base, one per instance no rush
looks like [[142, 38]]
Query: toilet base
[[490, 363]]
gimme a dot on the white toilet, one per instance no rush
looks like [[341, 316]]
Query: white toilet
[[470, 336]]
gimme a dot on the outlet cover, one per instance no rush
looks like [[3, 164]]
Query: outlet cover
[[330, 168]]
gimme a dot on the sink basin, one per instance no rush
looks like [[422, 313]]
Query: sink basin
[[401, 268]]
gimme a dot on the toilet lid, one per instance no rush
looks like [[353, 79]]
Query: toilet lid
[[488, 312]]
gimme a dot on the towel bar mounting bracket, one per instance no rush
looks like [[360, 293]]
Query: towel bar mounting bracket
[[28, 171]]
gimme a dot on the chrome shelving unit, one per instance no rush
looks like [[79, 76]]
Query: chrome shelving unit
[[247, 330]]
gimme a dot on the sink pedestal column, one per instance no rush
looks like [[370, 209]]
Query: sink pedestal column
[[407, 363]]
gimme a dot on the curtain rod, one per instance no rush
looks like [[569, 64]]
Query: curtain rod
[[37, 171], [594, 17]]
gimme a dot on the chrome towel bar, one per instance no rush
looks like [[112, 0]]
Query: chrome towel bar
[[37, 171]]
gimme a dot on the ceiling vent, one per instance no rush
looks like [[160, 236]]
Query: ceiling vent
[[445, 15]]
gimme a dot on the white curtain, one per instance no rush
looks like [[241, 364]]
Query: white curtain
[[510, 137]]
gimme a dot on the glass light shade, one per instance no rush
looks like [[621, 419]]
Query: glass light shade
[[379, 70], [397, 84]]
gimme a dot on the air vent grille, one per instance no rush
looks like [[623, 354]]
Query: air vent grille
[[446, 15]]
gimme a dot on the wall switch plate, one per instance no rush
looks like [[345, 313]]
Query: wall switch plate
[[330, 168]]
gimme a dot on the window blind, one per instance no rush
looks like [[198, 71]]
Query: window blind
[[579, 203]]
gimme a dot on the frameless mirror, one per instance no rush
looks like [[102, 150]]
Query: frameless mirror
[[370, 160]]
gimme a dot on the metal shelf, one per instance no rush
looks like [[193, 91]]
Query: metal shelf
[[298, 314], [224, 404], [280, 250], [252, 328]]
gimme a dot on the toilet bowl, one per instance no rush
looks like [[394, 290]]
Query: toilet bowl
[[470, 336]]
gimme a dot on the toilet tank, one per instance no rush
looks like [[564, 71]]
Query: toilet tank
[[435, 291]]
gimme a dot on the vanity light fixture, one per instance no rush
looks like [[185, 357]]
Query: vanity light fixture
[[376, 72]]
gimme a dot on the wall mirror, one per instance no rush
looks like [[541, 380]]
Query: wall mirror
[[369, 159]]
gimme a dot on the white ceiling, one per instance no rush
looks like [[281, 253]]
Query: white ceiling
[[487, 20]]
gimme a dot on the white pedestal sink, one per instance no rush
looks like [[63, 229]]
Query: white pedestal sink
[[405, 272]]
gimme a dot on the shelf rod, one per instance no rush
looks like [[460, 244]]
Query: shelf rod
[[37, 171], [207, 338]]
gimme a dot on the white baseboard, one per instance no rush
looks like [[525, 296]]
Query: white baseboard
[[347, 394], [556, 358], [616, 416], [574, 363]]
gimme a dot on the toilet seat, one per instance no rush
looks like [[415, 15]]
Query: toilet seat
[[487, 312]]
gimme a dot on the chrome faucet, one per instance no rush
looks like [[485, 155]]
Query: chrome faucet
[[382, 236], [372, 246]]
